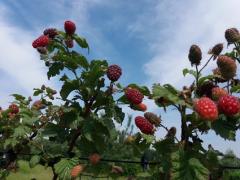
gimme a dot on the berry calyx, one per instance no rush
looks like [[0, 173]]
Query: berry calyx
[[134, 96], [69, 43], [69, 27], [218, 92], [144, 125], [114, 72], [14, 109], [94, 158], [76, 170], [229, 105], [206, 109], [42, 41]]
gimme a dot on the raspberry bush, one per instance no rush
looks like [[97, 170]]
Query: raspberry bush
[[82, 122]]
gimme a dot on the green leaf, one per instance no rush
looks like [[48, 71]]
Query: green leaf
[[187, 168], [68, 87], [81, 41], [168, 93], [203, 79], [63, 168], [235, 89], [18, 97], [37, 92], [34, 161], [80, 60], [187, 71], [55, 69], [225, 127]]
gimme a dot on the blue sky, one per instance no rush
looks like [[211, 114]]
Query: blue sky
[[148, 39]]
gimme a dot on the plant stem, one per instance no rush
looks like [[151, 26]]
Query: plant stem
[[184, 133], [206, 64]]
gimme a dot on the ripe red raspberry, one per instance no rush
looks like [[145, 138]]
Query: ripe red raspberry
[[134, 95], [76, 170], [218, 92], [14, 109], [94, 158], [143, 124], [42, 41], [50, 32], [69, 27], [229, 105], [206, 109], [114, 72]]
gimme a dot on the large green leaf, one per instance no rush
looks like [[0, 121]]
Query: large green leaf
[[186, 167], [63, 168], [34, 161], [68, 87], [55, 69]]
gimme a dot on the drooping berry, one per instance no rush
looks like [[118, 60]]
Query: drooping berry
[[216, 50], [229, 105], [232, 35], [69, 27], [218, 92], [69, 43], [42, 41], [144, 125], [94, 158], [195, 55], [141, 107], [38, 105], [76, 170], [14, 109], [114, 72], [206, 109], [152, 118], [42, 50], [171, 132], [227, 66], [134, 96], [50, 32]]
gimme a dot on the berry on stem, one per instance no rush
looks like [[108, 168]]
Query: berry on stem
[[229, 105], [134, 96], [143, 124], [114, 72], [206, 109], [14, 109], [94, 158], [76, 170], [42, 41], [69, 27]]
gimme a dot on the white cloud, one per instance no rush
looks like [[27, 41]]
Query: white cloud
[[171, 28], [20, 67]]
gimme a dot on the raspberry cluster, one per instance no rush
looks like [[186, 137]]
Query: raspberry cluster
[[144, 125], [114, 72], [134, 96]]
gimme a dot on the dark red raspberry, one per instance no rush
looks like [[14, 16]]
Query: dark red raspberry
[[114, 72], [229, 105], [206, 109], [69, 43], [42, 41], [50, 32], [14, 109], [143, 124], [195, 55], [134, 96], [69, 27]]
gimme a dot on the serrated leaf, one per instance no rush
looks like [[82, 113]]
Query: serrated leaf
[[81, 41], [63, 168], [34, 161], [18, 97], [54, 69], [68, 87]]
